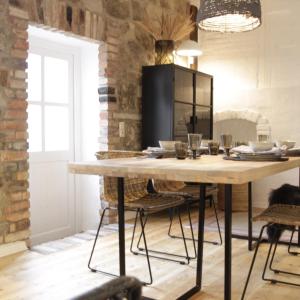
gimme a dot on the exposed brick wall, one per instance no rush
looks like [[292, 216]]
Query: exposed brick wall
[[123, 50], [14, 197]]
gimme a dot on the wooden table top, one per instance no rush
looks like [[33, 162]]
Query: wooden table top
[[207, 169]]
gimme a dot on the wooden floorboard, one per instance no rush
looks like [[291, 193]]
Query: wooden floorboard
[[64, 274]]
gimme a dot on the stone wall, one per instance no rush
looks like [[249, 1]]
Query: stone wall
[[123, 49], [128, 48]]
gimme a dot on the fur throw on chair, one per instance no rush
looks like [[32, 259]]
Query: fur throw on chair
[[286, 194]]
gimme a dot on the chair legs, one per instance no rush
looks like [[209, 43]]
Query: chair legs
[[146, 248], [291, 241], [272, 255], [183, 236], [192, 231], [253, 261], [276, 270], [218, 224], [140, 249], [220, 242], [93, 269]]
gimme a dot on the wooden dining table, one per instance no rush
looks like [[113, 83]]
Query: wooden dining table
[[207, 169]]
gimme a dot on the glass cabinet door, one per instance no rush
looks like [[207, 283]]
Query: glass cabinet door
[[203, 121], [203, 90], [183, 86], [183, 121]]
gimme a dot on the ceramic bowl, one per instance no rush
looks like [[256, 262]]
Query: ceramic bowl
[[167, 145], [261, 146], [288, 144]]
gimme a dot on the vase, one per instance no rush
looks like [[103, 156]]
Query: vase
[[164, 52]]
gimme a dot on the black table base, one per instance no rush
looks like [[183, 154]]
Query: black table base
[[122, 261], [201, 217]]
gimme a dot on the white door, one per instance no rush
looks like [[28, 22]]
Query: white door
[[51, 141]]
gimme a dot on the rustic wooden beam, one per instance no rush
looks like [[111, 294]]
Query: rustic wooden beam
[[87, 32]]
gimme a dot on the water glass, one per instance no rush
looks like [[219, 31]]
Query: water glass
[[226, 140], [194, 143], [263, 138], [213, 148], [181, 150]]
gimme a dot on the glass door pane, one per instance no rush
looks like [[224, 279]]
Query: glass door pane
[[56, 77], [50, 103], [203, 121], [203, 90], [34, 80], [183, 86], [183, 121]]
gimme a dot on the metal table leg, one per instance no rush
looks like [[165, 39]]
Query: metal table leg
[[250, 216], [228, 233], [201, 217], [122, 261], [201, 234], [251, 245]]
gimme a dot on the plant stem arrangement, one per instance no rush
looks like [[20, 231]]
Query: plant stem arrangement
[[166, 29]]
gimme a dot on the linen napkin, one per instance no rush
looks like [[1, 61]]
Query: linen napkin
[[248, 150]]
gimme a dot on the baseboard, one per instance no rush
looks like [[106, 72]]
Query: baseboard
[[12, 248]]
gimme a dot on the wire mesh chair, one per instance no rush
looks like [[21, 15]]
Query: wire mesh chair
[[138, 199], [289, 217], [191, 193]]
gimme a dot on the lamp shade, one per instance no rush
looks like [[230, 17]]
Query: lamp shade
[[189, 48], [229, 15]]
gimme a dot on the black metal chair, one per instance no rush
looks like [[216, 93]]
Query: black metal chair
[[139, 200], [191, 194], [288, 216]]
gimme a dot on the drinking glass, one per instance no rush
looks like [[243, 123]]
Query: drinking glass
[[213, 148], [263, 138], [226, 140], [181, 150], [194, 143]]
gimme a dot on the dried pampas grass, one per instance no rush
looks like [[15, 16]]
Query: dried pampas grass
[[168, 26]]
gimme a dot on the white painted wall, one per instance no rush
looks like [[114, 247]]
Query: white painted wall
[[241, 130], [89, 129], [260, 70]]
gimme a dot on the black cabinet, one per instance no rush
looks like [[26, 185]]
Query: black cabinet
[[175, 101]]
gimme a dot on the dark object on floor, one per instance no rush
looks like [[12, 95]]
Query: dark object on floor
[[121, 288], [286, 194]]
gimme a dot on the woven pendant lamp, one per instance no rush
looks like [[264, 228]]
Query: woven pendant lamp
[[229, 15]]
